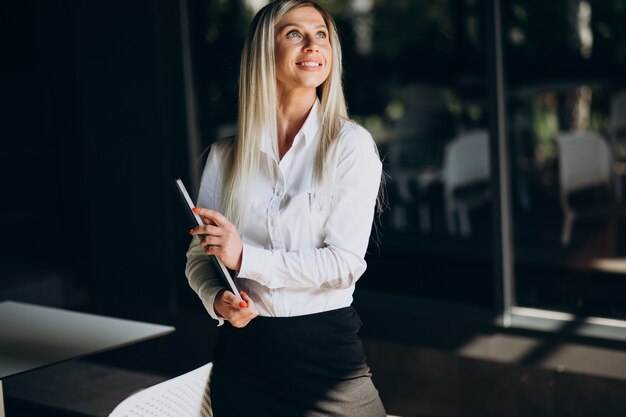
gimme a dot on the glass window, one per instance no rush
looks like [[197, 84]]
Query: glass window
[[565, 66], [218, 30], [415, 78]]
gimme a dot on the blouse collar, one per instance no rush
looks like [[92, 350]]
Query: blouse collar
[[308, 131]]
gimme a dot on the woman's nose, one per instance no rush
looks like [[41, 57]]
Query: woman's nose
[[310, 45]]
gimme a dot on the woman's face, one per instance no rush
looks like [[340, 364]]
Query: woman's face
[[303, 52]]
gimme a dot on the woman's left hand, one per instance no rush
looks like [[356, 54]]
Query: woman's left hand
[[221, 237]]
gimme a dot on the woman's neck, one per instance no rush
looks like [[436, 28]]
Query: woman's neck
[[293, 110]]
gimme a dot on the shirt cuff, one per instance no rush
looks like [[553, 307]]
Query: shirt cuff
[[255, 264], [208, 302]]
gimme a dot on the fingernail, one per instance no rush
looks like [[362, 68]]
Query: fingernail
[[191, 231], [243, 304], [244, 293], [196, 209]]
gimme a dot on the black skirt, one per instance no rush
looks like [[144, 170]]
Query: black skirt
[[304, 366]]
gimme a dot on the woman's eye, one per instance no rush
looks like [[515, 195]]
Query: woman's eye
[[293, 34], [321, 35]]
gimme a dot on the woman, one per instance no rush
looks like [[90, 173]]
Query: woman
[[288, 204]]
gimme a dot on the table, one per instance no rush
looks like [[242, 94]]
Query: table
[[33, 336]]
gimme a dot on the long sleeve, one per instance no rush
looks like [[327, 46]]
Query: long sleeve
[[203, 278], [340, 262], [200, 272]]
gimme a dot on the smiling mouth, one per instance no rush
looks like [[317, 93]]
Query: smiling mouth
[[309, 64]]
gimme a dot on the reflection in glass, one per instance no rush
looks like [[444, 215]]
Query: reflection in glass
[[419, 86], [466, 178], [565, 62]]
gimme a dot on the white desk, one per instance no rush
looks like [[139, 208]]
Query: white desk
[[33, 336]]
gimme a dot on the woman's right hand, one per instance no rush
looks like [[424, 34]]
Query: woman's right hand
[[227, 306]]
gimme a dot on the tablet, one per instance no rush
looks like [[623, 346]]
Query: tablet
[[197, 221]]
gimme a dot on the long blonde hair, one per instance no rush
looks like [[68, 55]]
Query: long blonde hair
[[258, 107]]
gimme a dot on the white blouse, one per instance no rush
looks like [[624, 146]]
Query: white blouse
[[303, 247]]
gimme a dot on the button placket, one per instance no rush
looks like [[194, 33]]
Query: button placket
[[273, 213]]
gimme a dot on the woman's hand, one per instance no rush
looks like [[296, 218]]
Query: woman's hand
[[221, 238], [227, 306]]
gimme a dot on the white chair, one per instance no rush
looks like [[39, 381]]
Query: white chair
[[184, 396], [585, 161], [466, 163], [617, 133]]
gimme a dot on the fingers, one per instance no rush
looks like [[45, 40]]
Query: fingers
[[217, 217], [210, 237], [242, 317], [246, 298], [236, 302], [206, 230], [206, 220], [216, 250], [229, 298], [229, 247], [251, 309], [228, 305], [246, 301], [210, 241]]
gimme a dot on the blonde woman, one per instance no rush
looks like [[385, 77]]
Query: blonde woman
[[288, 205]]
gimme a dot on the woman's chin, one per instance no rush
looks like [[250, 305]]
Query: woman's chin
[[312, 82]]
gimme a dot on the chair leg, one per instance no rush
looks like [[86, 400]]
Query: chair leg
[[566, 234], [399, 217], [424, 218], [465, 227], [450, 209], [618, 188], [450, 221]]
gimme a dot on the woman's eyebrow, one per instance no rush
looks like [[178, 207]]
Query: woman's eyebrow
[[281, 28]]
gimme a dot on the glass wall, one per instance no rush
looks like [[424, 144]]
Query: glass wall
[[416, 78], [565, 67]]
